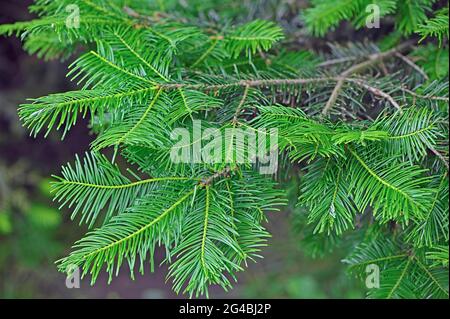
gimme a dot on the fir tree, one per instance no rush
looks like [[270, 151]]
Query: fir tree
[[363, 125]]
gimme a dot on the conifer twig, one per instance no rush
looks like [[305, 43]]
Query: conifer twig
[[278, 82], [373, 59], [440, 156], [412, 64], [241, 104], [246, 83], [428, 97], [220, 174], [336, 61], [376, 92]]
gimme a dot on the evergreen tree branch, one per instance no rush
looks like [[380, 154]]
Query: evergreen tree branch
[[399, 280], [376, 92], [412, 64], [372, 60]]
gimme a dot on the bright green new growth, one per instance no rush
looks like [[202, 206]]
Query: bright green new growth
[[366, 126]]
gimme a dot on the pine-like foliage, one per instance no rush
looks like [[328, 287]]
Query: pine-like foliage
[[363, 125], [410, 16]]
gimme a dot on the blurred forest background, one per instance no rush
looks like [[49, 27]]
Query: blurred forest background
[[33, 233]]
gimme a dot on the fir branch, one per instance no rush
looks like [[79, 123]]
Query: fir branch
[[372, 60], [374, 168]]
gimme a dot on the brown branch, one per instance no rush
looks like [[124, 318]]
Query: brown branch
[[412, 64], [241, 104], [336, 61], [225, 173], [277, 82], [440, 156], [376, 92], [333, 97], [245, 83], [373, 59], [428, 97]]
